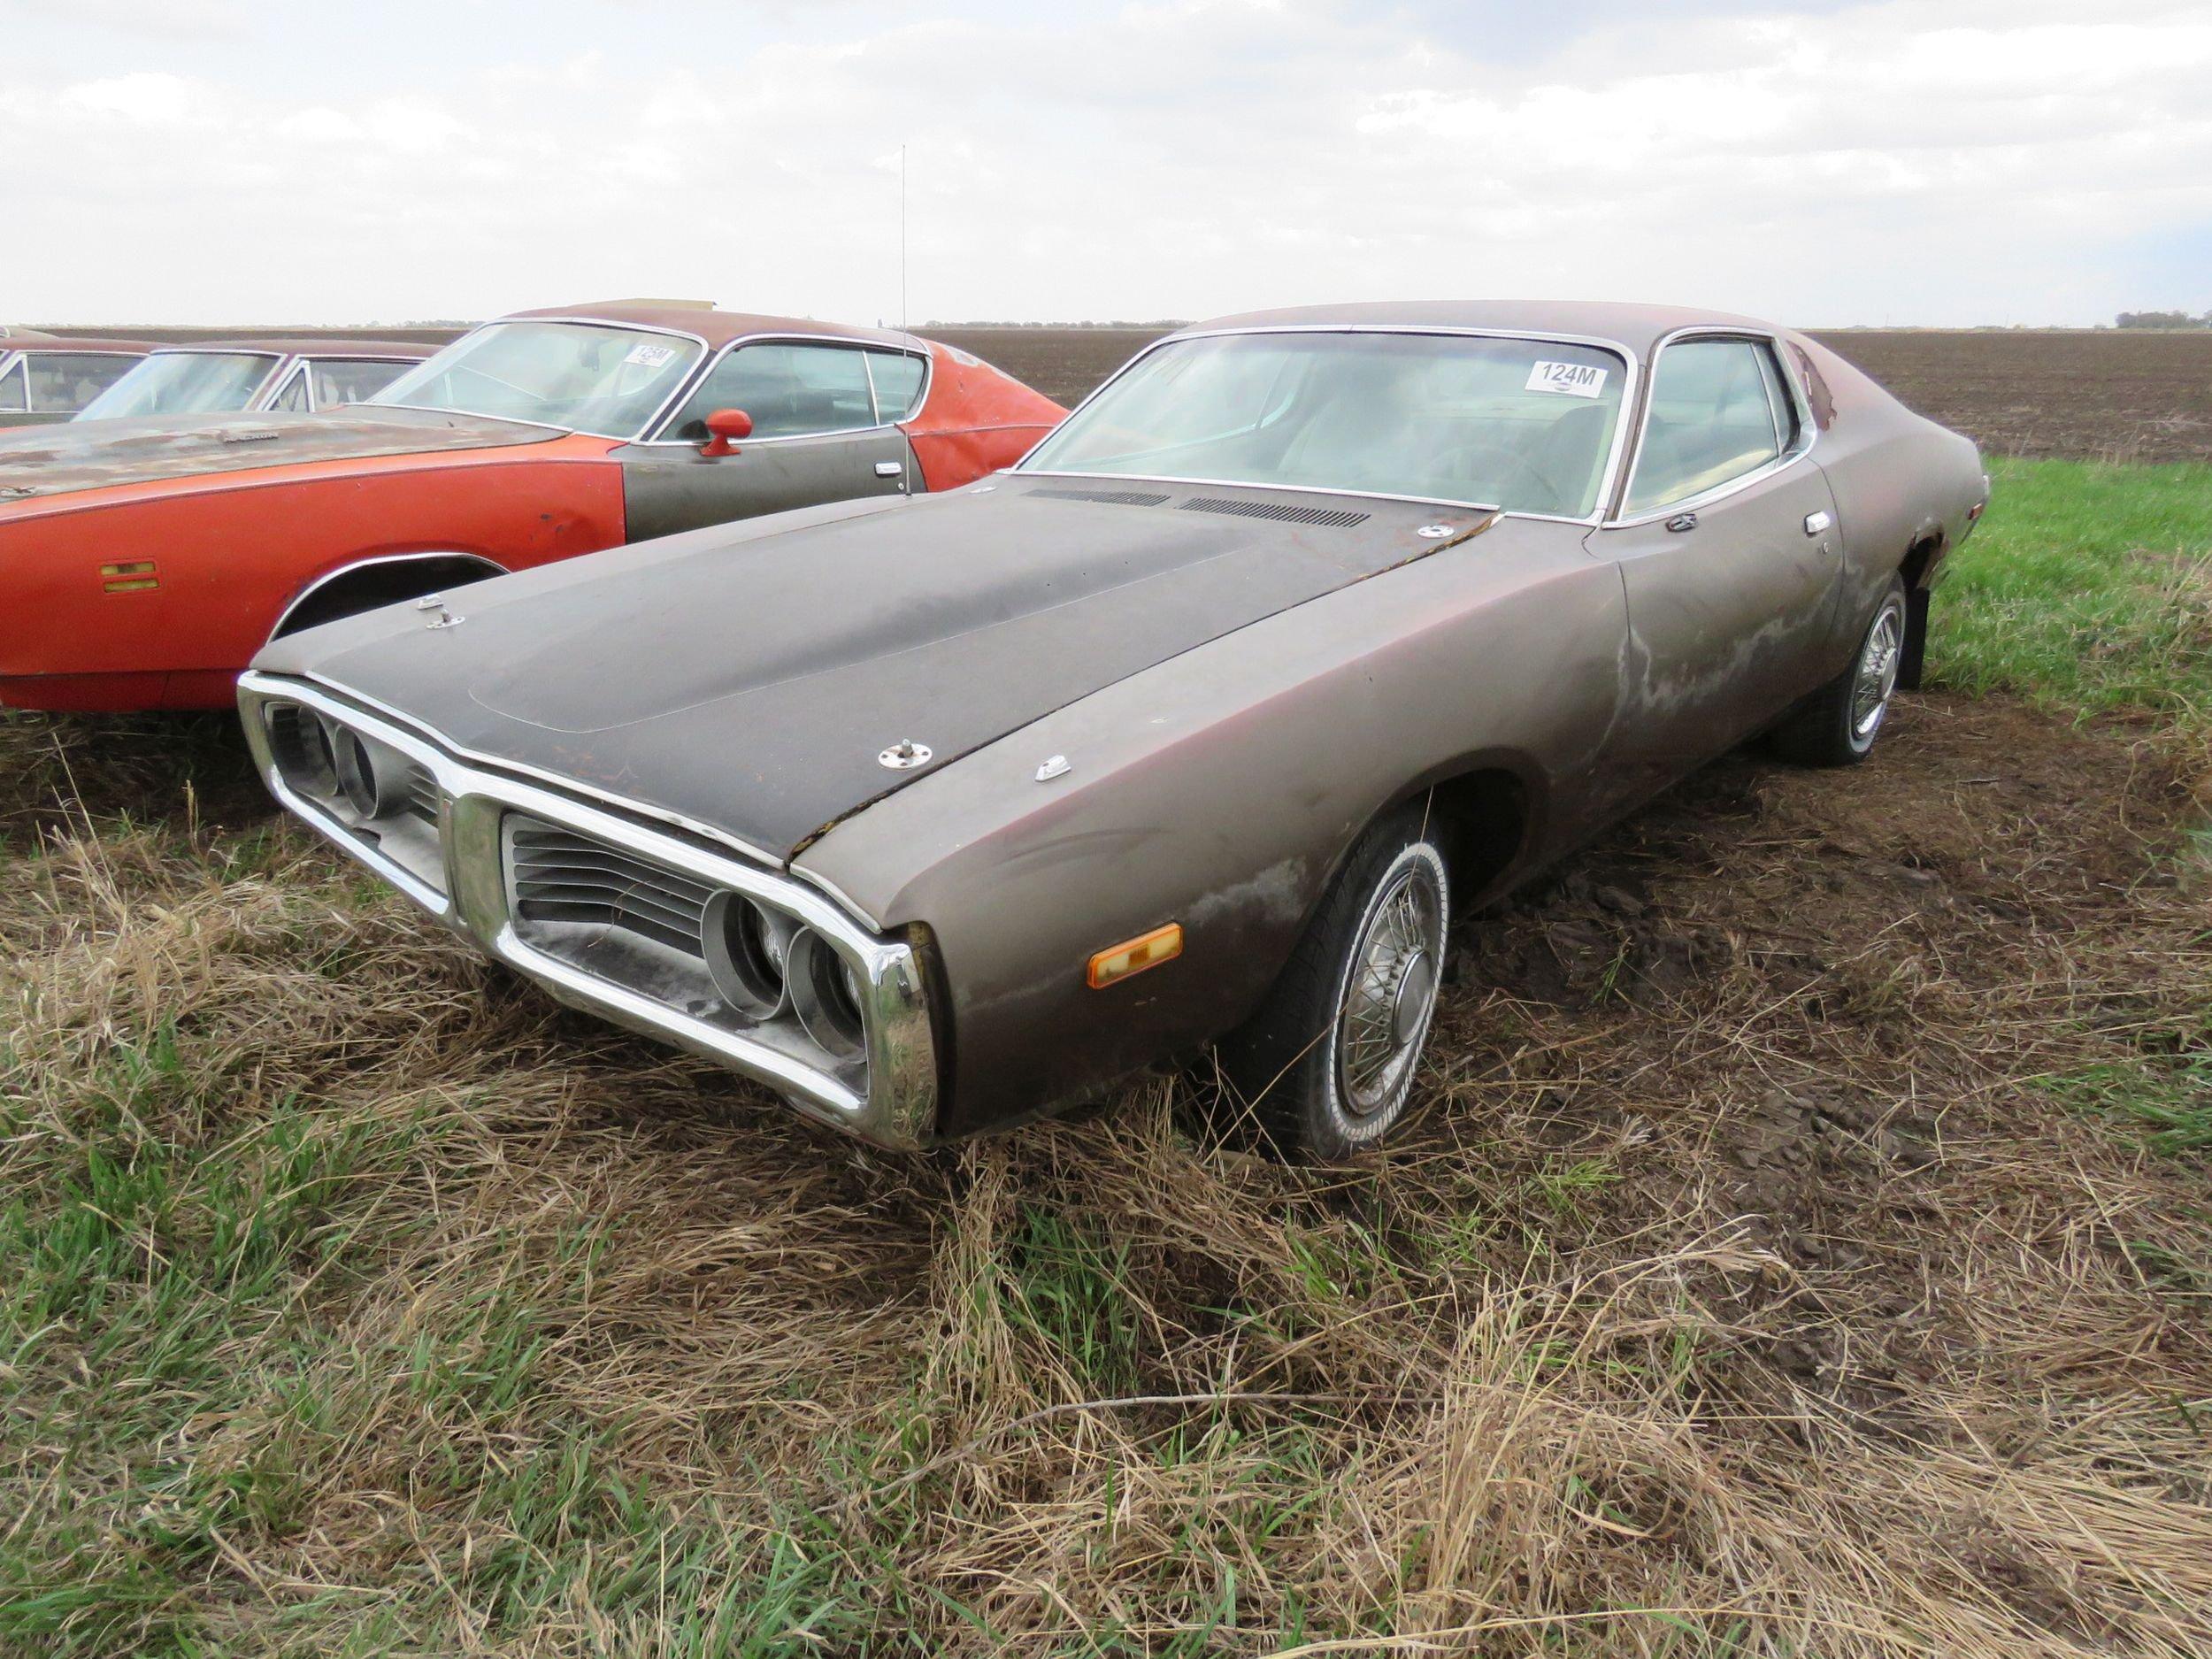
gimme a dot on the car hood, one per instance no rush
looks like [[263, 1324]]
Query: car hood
[[80, 455], [748, 678]]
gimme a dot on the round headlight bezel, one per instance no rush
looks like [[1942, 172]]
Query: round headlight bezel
[[356, 770], [746, 945], [829, 996], [304, 758]]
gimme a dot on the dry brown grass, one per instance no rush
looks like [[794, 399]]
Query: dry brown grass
[[1743, 1287]]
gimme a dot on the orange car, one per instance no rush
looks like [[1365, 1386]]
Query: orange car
[[143, 562]]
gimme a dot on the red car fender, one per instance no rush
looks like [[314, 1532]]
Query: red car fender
[[188, 578]]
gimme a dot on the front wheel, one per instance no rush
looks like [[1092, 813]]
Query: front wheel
[[1837, 725], [1327, 1064]]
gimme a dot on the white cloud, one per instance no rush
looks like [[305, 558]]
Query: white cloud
[[1941, 160]]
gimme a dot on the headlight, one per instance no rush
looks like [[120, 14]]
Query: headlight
[[300, 744], [356, 772], [828, 994], [746, 946]]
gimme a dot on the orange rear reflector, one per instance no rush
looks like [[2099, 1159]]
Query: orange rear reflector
[[133, 585], [1134, 955]]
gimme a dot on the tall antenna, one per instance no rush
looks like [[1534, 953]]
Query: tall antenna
[[902, 237]]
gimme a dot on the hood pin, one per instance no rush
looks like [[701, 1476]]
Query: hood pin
[[905, 754], [444, 618], [1056, 767], [1435, 532]]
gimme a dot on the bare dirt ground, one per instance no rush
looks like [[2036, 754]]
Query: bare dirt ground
[[1758, 1275], [2103, 394], [1740, 1262]]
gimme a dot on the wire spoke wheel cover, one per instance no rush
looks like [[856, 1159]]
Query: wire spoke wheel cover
[[1390, 986], [1875, 679]]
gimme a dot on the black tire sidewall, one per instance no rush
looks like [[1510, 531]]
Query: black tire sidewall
[[1333, 1125], [1847, 735]]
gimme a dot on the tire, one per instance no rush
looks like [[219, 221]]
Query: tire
[[1837, 725], [1306, 1065]]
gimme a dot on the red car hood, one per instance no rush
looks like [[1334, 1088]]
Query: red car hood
[[40, 462]]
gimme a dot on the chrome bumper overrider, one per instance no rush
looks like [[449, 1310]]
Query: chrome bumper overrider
[[886, 1094]]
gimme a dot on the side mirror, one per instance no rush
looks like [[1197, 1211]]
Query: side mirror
[[727, 426]]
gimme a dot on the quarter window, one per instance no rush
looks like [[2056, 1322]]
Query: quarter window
[[349, 379], [294, 397], [898, 378], [790, 388], [63, 382], [1719, 409]]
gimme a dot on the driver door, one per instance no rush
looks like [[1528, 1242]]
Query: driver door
[[1730, 555], [823, 431]]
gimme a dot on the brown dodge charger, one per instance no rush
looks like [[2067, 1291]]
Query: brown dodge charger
[[1307, 631]]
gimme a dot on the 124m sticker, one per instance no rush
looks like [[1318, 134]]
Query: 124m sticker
[[1575, 379]]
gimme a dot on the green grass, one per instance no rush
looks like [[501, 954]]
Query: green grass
[[205, 1356], [2087, 587]]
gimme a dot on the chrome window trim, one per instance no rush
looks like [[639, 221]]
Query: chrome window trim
[[1301, 489], [683, 382], [899, 1106], [1630, 384], [690, 826], [661, 441], [491, 568], [58, 349], [1807, 430], [263, 388], [304, 362], [273, 389]]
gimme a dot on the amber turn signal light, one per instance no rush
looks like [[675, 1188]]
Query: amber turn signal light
[[1134, 955]]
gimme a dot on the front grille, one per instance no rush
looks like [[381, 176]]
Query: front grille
[[560, 875], [1113, 497], [1341, 517], [419, 793]]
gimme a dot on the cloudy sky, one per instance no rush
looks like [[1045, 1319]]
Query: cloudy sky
[[1930, 161]]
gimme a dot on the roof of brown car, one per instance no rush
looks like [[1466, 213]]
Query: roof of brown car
[[75, 343], [1637, 328], [311, 346], [717, 328]]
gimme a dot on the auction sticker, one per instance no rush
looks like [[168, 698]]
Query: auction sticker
[[652, 357], [1575, 379]]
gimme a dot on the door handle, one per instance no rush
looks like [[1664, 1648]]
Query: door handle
[[1682, 521], [1819, 523], [888, 469]]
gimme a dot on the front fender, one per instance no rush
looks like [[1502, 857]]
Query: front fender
[[1220, 790]]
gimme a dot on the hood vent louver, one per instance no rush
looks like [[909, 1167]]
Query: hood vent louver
[[1338, 517], [1114, 497]]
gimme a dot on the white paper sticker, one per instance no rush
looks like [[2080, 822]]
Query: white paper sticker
[[650, 355], [1575, 379]]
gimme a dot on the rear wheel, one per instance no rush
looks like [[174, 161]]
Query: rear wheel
[[1327, 1064], [1837, 725]]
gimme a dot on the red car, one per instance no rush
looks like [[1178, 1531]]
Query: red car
[[143, 562]]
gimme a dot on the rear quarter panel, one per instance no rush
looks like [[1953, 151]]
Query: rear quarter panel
[[1221, 789], [1899, 481], [230, 552], [974, 420]]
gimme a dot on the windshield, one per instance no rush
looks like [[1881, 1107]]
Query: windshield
[[588, 377], [183, 383], [1525, 424]]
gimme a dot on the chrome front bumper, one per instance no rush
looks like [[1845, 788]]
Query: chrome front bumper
[[888, 1095]]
